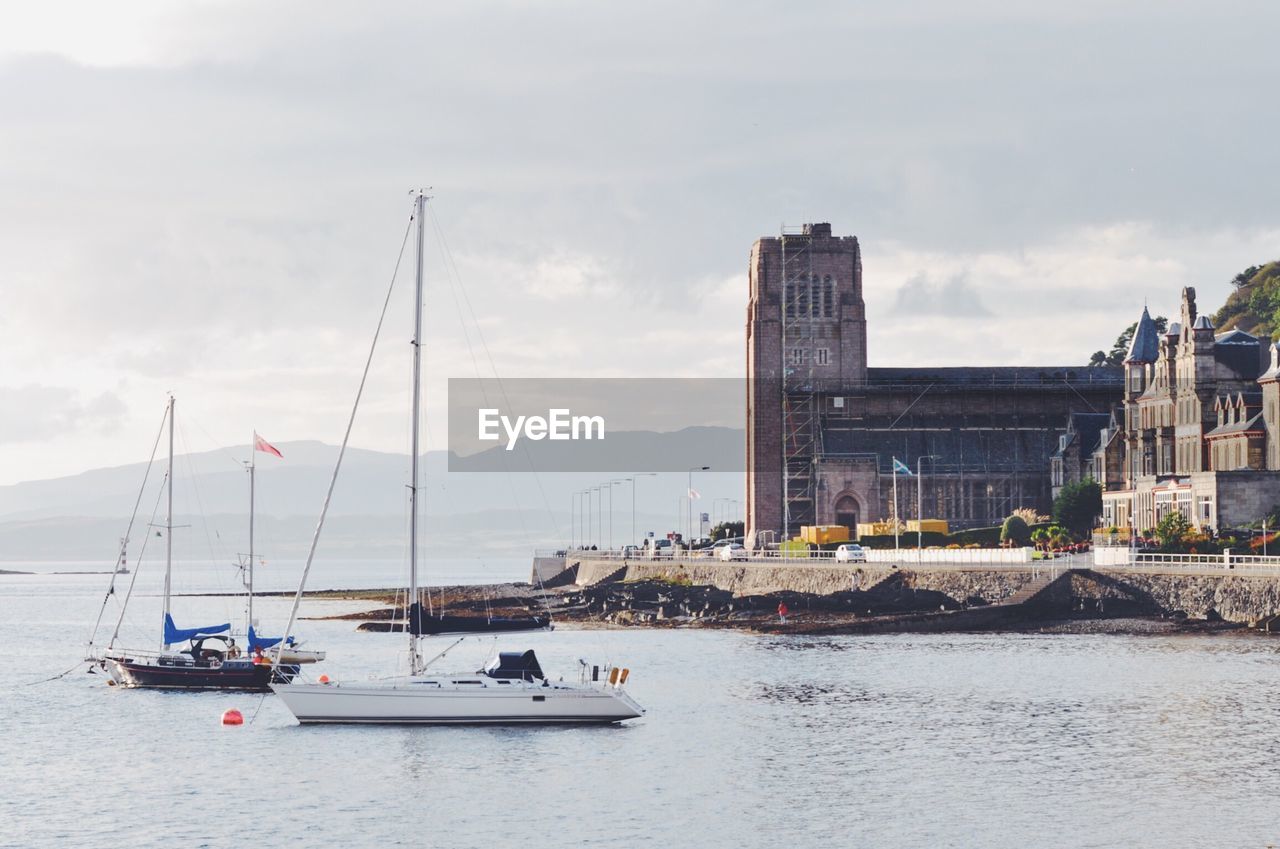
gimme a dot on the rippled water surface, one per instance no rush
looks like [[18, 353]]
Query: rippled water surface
[[946, 740]]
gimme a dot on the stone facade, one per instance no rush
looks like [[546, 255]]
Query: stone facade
[[1200, 432], [823, 428]]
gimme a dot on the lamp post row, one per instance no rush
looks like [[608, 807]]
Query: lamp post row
[[588, 523]]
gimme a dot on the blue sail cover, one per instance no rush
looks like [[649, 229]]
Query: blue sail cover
[[256, 642], [174, 634]]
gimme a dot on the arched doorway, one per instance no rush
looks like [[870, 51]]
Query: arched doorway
[[847, 512]]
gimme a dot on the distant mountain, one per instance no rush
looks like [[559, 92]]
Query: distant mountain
[[498, 505]]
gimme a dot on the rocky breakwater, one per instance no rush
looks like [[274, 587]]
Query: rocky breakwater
[[664, 603], [1252, 600]]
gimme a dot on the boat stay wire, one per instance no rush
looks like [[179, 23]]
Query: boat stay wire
[[342, 450], [115, 570], [137, 563]]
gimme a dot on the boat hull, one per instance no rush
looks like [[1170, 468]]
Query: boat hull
[[426, 704], [232, 675], [438, 626], [296, 656]]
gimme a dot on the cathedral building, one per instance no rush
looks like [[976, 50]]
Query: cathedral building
[[1200, 427], [824, 429]]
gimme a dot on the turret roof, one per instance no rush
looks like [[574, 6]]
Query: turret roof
[[1145, 345]]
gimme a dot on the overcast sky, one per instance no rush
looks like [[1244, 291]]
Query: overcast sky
[[208, 197]]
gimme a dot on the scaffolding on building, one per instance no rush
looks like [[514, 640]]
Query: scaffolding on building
[[800, 289]]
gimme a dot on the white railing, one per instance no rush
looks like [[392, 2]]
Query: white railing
[[1254, 564], [929, 556], [695, 554]]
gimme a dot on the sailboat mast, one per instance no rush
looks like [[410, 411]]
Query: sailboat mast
[[421, 203], [252, 466], [168, 529]]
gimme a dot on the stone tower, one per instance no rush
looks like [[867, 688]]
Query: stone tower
[[806, 332]]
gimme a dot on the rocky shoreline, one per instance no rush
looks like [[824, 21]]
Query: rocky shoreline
[[889, 607]]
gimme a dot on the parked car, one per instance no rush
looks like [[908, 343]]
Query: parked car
[[733, 551], [851, 553], [657, 549]]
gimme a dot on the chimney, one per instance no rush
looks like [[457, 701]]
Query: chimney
[[818, 230]]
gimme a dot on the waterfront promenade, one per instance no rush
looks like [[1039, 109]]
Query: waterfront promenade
[[1233, 588]]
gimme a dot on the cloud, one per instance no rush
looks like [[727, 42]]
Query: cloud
[[209, 197], [954, 296], [35, 413]]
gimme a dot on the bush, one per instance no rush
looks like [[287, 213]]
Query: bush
[[1015, 530], [1172, 531]]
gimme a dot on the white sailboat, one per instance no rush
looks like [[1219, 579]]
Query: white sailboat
[[512, 690]]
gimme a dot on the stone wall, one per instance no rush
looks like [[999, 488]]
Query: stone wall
[[757, 578], [1235, 598]]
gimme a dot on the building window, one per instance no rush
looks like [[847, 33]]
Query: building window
[[822, 356], [828, 297], [797, 357]]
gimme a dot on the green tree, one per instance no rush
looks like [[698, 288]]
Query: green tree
[[727, 530], [1172, 530], [1077, 505], [1244, 277], [1015, 531]]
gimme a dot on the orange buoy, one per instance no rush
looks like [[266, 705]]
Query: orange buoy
[[324, 679], [231, 716]]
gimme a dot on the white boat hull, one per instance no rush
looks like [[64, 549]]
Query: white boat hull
[[444, 703], [297, 656]]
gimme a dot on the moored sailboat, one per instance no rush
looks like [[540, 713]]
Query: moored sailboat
[[211, 660], [513, 690], [289, 650]]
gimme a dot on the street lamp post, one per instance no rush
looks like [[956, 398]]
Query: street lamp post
[[612, 484], [920, 497], [573, 519], [693, 469], [635, 540], [597, 500]]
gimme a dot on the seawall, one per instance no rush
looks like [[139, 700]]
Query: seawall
[[1244, 599], [991, 583]]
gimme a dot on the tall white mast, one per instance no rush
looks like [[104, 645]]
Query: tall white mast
[[253, 447], [168, 530], [414, 660]]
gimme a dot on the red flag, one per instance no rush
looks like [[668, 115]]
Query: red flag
[[260, 444]]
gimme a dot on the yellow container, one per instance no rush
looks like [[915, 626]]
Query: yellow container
[[929, 526], [823, 534], [875, 529]]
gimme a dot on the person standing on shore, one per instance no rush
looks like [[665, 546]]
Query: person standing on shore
[[782, 612]]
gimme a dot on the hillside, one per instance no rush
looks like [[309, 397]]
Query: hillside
[[489, 502], [1254, 306]]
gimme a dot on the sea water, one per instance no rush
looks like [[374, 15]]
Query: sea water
[[989, 740]]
